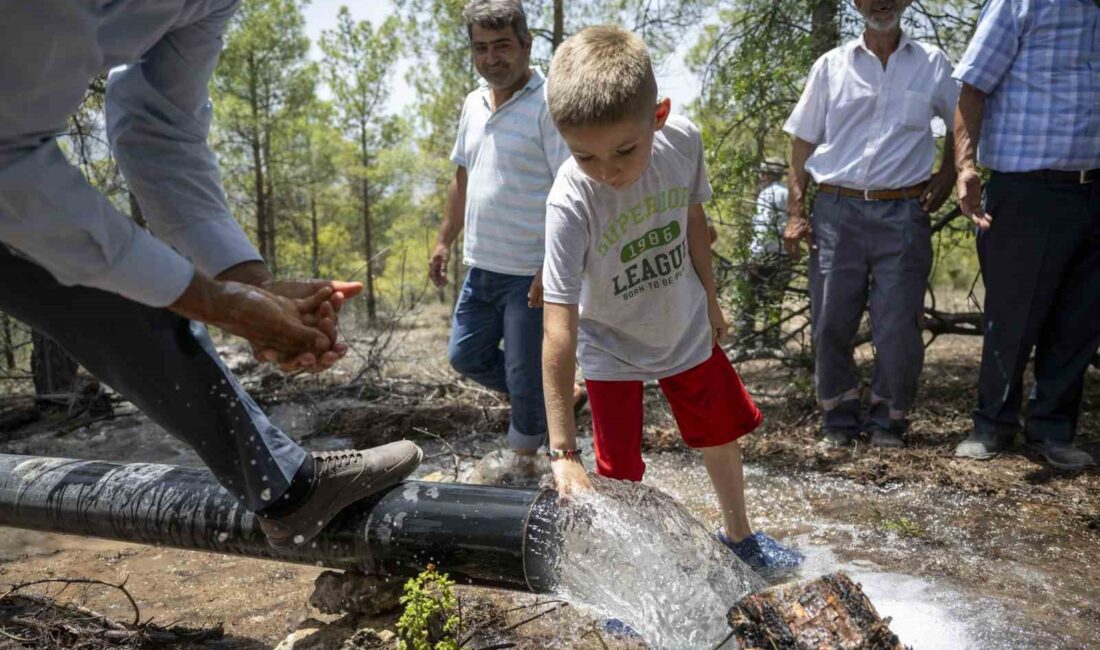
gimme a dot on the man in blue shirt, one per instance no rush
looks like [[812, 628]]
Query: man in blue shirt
[[1028, 111], [129, 306]]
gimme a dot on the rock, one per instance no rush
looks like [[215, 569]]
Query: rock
[[342, 634], [369, 639], [350, 592], [305, 629]]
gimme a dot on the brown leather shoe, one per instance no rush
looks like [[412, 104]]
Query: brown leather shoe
[[342, 478]]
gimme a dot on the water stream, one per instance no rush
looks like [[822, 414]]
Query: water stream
[[634, 554], [953, 571]]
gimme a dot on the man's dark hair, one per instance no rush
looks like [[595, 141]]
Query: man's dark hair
[[497, 15]]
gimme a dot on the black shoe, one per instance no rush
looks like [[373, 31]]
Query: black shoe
[[982, 448], [837, 437], [886, 438], [1062, 455]]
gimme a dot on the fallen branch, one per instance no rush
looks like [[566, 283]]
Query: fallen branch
[[40, 620]]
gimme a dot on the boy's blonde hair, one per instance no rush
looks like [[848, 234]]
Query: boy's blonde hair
[[601, 75]]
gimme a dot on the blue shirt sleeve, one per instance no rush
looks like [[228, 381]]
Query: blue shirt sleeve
[[158, 119], [49, 212], [993, 47]]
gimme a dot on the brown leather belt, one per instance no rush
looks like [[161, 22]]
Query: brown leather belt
[[912, 192]]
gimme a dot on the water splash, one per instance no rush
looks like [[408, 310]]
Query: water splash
[[633, 553]]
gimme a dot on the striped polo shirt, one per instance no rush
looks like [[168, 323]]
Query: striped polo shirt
[[511, 157]]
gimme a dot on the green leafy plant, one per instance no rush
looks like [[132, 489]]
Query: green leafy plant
[[903, 526], [432, 617]]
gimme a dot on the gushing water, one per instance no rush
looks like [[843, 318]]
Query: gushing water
[[634, 553]]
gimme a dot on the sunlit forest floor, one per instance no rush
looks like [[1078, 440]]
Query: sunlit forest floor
[[397, 383]]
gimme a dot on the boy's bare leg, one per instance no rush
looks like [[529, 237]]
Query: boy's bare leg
[[723, 464]]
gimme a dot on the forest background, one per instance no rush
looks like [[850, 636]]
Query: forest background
[[332, 178]]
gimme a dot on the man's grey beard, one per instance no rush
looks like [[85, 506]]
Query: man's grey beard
[[883, 26]]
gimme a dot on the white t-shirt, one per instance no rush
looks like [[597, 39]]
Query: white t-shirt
[[769, 220], [622, 256]]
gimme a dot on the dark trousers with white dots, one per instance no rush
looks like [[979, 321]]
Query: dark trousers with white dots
[[1041, 265], [168, 367]]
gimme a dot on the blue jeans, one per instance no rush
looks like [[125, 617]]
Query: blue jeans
[[491, 307]]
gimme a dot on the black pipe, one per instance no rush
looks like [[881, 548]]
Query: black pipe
[[492, 536]]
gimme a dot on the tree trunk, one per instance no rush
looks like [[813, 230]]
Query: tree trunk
[[271, 255], [559, 24], [53, 369], [262, 233], [829, 612], [368, 236], [455, 287], [315, 247], [7, 342], [825, 30]]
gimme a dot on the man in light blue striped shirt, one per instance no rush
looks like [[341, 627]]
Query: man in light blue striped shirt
[[508, 152], [1030, 111]]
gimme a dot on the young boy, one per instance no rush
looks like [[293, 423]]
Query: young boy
[[628, 282]]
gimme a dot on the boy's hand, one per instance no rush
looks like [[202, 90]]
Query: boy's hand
[[570, 477], [719, 326]]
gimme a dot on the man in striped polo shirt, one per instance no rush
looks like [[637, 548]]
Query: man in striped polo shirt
[[508, 152]]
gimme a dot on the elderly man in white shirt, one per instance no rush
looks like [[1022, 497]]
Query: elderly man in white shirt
[[862, 131], [129, 306]]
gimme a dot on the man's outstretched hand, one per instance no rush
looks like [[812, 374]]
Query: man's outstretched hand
[[267, 320], [284, 320], [323, 316]]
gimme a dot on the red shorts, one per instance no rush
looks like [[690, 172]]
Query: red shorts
[[709, 402]]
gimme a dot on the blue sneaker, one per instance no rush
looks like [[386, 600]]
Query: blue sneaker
[[760, 551], [620, 628]]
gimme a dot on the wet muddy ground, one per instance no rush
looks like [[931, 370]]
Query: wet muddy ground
[[1000, 554]]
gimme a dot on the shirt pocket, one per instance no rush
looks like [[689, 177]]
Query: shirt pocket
[[916, 110]]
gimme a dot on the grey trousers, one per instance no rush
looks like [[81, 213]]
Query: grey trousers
[[876, 254], [168, 367], [1041, 264]]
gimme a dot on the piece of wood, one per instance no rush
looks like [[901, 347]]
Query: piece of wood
[[828, 613]]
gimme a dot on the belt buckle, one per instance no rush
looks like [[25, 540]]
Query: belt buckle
[[1084, 179], [867, 196]]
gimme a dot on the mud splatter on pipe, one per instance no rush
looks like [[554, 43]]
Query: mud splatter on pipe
[[491, 536]]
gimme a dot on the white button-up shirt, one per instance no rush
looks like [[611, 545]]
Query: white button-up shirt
[[158, 116], [872, 125]]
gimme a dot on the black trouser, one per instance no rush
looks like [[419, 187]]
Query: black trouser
[[1041, 264], [168, 367]]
